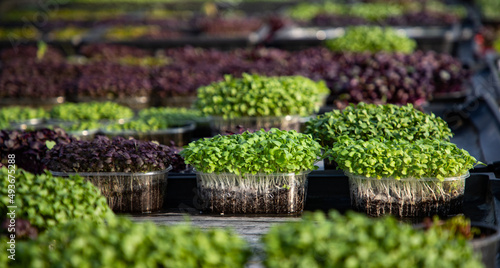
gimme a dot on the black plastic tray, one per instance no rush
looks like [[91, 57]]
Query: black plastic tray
[[493, 77], [330, 190], [475, 124]]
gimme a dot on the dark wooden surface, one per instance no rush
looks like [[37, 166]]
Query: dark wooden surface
[[250, 228]]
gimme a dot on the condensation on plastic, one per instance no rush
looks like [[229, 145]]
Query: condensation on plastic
[[129, 192], [222, 126], [407, 197], [252, 194], [35, 123]]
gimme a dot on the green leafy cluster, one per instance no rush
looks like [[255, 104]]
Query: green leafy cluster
[[46, 201], [369, 11], [458, 225], [144, 61], [256, 95], [91, 111], [69, 33], [490, 8], [83, 125], [379, 158], [174, 114], [442, 7], [24, 33], [122, 243], [274, 151], [14, 114], [131, 31], [365, 121], [373, 12], [307, 11], [372, 39], [496, 45], [355, 240], [73, 14], [145, 124]]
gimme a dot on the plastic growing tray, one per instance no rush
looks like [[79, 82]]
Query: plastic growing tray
[[437, 38], [86, 135], [252, 194], [35, 123], [221, 125], [129, 192], [197, 40], [487, 246], [133, 102], [475, 124], [179, 135], [179, 101], [32, 102], [407, 198]]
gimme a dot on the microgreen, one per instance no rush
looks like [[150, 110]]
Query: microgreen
[[372, 39], [42, 49], [14, 114], [425, 158], [121, 243], [30, 146], [91, 111], [105, 155], [355, 240], [366, 121], [159, 118], [50, 144], [458, 225], [255, 95], [275, 151], [46, 201], [174, 114]]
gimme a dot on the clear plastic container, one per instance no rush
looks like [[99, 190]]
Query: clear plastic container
[[84, 135], [30, 124], [252, 194], [179, 135], [178, 101], [407, 198], [133, 102], [486, 245], [222, 126], [46, 103], [129, 192]]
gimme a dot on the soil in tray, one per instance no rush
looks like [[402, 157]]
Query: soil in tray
[[236, 201], [142, 197], [410, 211]]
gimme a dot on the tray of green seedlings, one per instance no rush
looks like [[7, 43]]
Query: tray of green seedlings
[[202, 122], [19, 117], [69, 34], [434, 26], [19, 35], [199, 30], [489, 11], [84, 120], [153, 127]]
